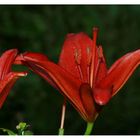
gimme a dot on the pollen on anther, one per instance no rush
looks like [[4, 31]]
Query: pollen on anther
[[77, 55], [88, 50], [100, 52]]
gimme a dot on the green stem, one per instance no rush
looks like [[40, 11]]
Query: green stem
[[61, 131], [89, 128]]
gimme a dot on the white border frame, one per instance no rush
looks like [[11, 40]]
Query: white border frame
[[99, 2]]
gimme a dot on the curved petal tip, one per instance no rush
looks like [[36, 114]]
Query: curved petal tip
[[102, 96]]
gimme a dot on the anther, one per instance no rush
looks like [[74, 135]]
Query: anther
[[77, 55], [100, 52], [88, 49]]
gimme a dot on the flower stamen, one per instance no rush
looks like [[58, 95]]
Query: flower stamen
[[100, 59], [77, 55], [88, 50]]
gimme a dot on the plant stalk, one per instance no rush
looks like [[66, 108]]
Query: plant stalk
[[89, 128], [61, 129]]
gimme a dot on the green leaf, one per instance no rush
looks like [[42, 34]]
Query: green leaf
[[22, 126], [9, 132], [22, 129]]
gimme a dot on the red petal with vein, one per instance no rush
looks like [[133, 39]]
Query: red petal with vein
[[65, 81], [43, 74], [7, 83], [19, 59], [36, 57], [6, 60], [76, 50], [120, 71]]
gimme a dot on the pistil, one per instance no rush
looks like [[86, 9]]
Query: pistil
[[95, 32]]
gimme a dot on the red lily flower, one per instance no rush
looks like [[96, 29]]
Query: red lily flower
[[81, 74], [7, 77]]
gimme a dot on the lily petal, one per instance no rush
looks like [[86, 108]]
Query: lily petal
[[19, 59], [6, 60], [101, 95], [76, 55], [87, 100], [35, 57], [7, 83], [119, 73]]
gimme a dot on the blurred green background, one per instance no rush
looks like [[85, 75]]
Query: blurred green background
[[43, 29]]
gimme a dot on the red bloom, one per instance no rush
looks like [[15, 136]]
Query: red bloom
[[7, 77], [81, 74]]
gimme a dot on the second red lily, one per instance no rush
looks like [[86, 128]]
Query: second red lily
[[7, 76]]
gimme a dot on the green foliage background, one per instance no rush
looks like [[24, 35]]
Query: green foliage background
[[43, 29]]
